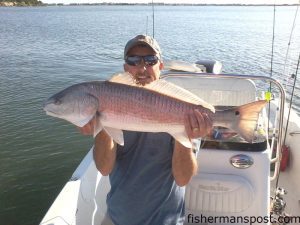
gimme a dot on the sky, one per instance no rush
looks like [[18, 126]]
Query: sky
[[180, 1]]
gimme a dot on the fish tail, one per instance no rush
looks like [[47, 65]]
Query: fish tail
[[243, 119], [248, 115]]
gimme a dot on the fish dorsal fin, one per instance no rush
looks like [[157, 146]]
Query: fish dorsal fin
[[123, 78], [163, 87]]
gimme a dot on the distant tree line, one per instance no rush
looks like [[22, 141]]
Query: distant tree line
[[20, 2]]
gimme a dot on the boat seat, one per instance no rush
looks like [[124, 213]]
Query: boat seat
[[218, 91], [216, 193], [220, 189]]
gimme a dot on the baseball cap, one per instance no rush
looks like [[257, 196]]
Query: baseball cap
[[144, 40]]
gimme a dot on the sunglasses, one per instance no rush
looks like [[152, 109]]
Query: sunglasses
[[149, 60]]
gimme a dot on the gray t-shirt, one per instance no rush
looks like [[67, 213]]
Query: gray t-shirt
[[143, 190]]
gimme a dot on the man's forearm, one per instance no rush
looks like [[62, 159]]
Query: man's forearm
[[184, 164], [104, 153]]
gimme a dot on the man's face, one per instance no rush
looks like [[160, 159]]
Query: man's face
[[143, 73]]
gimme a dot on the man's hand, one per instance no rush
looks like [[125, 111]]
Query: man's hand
[[197, 124]]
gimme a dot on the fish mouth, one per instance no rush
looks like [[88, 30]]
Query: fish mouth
[[51, 113]]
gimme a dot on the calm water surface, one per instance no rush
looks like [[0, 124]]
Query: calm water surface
[[45, 49]]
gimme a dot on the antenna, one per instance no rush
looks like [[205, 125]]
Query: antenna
[[147, 26], [152, 19], [273, 37]]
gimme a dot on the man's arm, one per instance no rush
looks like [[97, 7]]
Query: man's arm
[[104, 153], [184, 162], [104, 149]]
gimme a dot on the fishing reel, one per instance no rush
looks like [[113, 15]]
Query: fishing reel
[[278, 208]]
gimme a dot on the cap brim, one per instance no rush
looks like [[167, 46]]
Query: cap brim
[[137, 43]]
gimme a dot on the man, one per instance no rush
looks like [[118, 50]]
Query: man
[[149, 172]]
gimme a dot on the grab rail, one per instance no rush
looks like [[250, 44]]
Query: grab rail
[[278, 156]]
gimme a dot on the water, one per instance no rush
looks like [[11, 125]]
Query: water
[[45, 49]]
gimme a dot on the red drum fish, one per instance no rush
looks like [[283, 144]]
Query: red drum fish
[[120, 104]]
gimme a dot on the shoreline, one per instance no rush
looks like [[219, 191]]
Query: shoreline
[[39, 3]]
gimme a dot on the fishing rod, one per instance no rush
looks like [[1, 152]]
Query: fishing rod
[[292, 94], [288, 48], [269, 92], [290, 107], [294, 76], [291, 99]]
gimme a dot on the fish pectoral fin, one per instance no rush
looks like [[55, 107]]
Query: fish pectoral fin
[[97, 124], [116, 134], [82, 122], [183, 139]]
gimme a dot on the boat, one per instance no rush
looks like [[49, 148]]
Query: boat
[[237, 182]]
